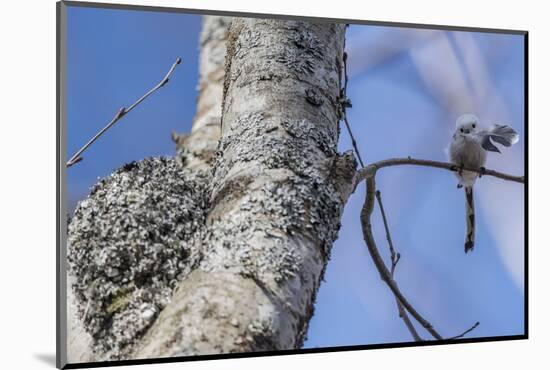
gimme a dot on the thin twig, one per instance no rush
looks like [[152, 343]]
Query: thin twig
[[345, 102], [466, 332], [121, 113], [371, 169], [395, 257], [346, 79], [353, 142]]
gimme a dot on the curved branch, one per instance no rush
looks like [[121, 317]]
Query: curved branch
[[368, 173], [371, 169]]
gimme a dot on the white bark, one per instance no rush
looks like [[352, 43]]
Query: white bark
[[251, 217]]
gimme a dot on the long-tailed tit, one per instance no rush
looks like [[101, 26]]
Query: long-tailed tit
[[469, 148]]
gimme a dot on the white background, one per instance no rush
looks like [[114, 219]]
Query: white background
[[27, 182]]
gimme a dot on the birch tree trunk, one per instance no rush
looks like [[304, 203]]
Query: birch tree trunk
[[277, 195], [245, 248]]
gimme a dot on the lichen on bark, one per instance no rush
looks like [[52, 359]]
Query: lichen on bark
[[129, 243]]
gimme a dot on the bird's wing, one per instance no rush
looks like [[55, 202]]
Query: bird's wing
[[488, 145], [500, 134]]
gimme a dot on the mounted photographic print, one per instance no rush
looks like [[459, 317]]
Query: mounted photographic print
[[234, 184]]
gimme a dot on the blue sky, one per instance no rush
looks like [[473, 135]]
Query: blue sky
[[407, 87]]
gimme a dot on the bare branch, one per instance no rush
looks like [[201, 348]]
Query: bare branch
[[121, 113], [394, 260], [466, 332], [353, 142], [394, 256], [371, 169]]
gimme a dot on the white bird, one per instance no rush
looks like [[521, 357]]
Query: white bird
[[468, 149]]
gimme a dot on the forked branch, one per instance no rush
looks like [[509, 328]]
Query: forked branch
[[77, 157], [368, 174]]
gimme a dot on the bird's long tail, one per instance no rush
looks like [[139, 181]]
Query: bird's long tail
[[470, 219]]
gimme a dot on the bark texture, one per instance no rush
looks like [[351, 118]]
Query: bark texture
[[129, 243], [277, 195], [222, 249]]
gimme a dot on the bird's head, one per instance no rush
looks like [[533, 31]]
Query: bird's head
[[467, 123]]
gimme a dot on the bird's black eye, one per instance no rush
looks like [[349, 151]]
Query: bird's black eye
[[461, 130], [473, 125]]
